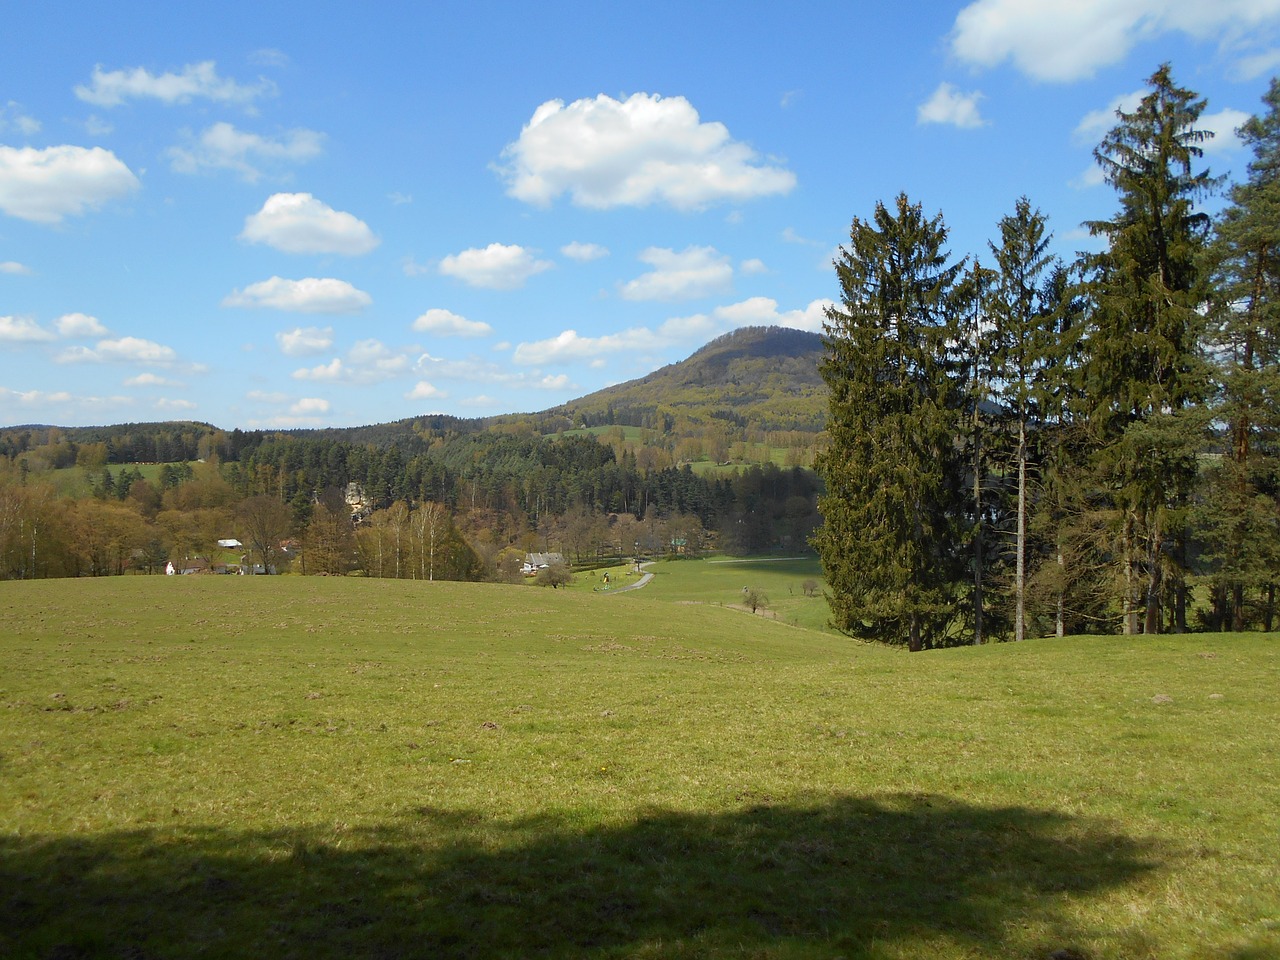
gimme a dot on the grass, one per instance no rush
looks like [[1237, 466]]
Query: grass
[[329, 767]]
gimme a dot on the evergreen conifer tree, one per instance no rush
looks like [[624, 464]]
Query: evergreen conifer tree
[[891, 540]]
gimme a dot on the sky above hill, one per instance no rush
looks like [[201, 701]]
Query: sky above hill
[[331, 214]]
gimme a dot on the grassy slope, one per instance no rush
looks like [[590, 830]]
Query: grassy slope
[[357, 768]]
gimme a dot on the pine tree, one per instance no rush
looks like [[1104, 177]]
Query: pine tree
[[1019, 339], [891, 540], [1146, 378], [1241, 514]]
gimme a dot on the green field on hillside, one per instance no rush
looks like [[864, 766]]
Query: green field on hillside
[[348, 767]]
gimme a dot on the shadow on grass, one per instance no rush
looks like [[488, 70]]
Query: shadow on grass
[[847, 876]]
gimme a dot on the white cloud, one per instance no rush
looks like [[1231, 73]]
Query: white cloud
[[23, 330], [753, 266], [422, 390], [44, 186], [570, 345], [368, 361], [305, 341], [558, 382], [498, 266], [693, 272], [12, 116], [1223, 125], [309, 407], [223, 147], [645, 149], [111, 88], [262, 396], [1252, 66], [1095, 124], [97, 127], [80, 325], [333, 370], [299, 223], [949, 106], [122, 350], [445, 323], [165, 403], [14, 268], [1064, 40], [584, 252], [310, 295], [150, 380], [399, 199]]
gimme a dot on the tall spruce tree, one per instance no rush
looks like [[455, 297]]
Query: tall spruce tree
[[1019, 339], [1145, 374], [1241, 515], [891, 542]]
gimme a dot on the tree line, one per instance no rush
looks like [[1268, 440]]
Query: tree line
[[1025, 446]]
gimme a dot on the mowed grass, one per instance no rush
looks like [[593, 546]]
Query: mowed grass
[[329, 767]]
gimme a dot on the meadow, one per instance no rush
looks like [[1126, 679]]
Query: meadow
[[346, 767]]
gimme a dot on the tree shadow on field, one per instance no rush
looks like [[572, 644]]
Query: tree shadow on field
[[846, 876]]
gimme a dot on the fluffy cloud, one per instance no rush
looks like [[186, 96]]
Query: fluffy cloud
[[310, 295], [497, 267], [223, 147], [949, 106], [445, 323], [569, 346], [175, 406], [14, 268], [635, 152], [13, 117], [369, 361], [80, 325], [1223, 125], [111, 88], [584, 252], [1063, 40], [309, 407], [305, 341], [299, 223], [44, 186], [422, 390], [1094, 125], [693, 272], [123, 350], [23, 330], [150, 380]]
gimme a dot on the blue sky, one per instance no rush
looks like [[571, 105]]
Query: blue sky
[[329, 214]]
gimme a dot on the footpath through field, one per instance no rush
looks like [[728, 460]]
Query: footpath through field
[[643, 581]]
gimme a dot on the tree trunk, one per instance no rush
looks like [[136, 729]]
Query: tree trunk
[[1020, 572]]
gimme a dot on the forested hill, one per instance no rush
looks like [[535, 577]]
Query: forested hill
[[762, 377], [754, 379]]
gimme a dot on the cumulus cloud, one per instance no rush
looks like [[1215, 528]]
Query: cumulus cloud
[[497, 267], [422, 390], [309, 407], [570, 345], [693, 272], [150, 380], [1064, 40], [949, 106], [122, 350], [646, 149], [44, 186], [445, 323], [310, 295], [299, 223], [584, 252], [14, 268], [1223, 125], [1095, 124], [111, 88], [753, 266], [223, 147], [171, 405], [80, 325], [305, 341], [23, 330], [369, 361], [12, 117]]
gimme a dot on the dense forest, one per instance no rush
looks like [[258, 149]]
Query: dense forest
[[1023, 446]]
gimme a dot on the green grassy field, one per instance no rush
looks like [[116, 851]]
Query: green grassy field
[[330, 767]]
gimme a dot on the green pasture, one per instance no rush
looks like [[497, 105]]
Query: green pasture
[[358, 768]]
